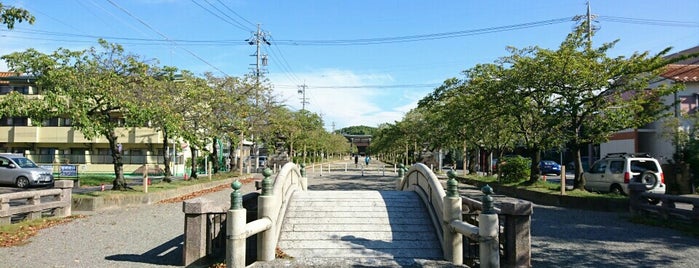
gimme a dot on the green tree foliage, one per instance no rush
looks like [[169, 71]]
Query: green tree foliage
[[9, 15], [357, 130], [94, 88]]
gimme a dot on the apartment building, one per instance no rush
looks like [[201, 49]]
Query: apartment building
[[56, 143]]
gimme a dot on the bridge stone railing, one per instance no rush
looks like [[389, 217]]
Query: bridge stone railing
[[30, 203], [446, 214], [271, 208]]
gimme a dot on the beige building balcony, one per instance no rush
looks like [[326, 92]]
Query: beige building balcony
[[19, 134]]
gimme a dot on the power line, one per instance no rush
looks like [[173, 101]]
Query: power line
[[165, 37], [423, 37], [235, 13], [667, 23], [365, 86], [229, 20]]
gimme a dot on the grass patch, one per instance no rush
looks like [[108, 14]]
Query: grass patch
[[546, 187], [157, 185], [18, 233]]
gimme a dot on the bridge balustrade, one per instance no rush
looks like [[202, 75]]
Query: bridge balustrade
[[272, 204]]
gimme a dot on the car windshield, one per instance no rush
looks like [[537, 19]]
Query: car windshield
[[24, 162]]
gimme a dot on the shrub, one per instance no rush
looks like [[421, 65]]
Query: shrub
[[514, 169]]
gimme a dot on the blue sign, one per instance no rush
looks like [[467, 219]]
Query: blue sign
[[69, 170]]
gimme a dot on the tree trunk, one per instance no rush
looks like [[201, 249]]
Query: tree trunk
[[166, 157], [579, 181], [215, 165], [119, 183], [534, 171], [465, 158], [231, 160], [193, 172]]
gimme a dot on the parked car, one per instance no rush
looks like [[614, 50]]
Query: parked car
[[20, 171], [614, 172], [549, 167]]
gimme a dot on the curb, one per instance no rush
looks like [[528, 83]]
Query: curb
[[100, 203]]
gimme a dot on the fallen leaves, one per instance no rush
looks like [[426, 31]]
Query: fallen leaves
[[19, 233], [203, 192]]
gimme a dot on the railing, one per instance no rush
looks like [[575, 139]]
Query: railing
[[639, 204], [30, 203], [446, 214], [272, 205], [344, 167]]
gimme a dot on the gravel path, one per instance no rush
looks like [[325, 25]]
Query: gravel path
[[139, 236], [151, 236], [577, 238]]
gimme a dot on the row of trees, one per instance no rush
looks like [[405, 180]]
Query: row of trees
[[536, 99], [104, 88]]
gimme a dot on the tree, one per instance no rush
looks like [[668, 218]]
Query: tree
[[598, 95], [9, 15], [94, 88]]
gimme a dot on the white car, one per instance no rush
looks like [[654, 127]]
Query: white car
[[614, 172]]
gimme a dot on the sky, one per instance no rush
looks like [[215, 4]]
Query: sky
[[363, 62]]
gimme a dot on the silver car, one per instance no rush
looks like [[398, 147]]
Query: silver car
[[18, 170], [614, 172]]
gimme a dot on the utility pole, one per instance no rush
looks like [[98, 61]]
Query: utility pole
[[258, 38], [304, 100]]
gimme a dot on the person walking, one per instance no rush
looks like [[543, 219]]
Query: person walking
[[366, 160], [356, 160]]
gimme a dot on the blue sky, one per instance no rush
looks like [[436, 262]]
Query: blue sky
[[323, 44]]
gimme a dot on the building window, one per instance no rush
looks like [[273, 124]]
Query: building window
[[14, 121]]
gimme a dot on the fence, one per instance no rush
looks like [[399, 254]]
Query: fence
[[35, 204], [639, 204]]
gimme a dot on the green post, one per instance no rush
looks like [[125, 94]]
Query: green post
[[267, 182], [487, 200], [236, 196], [452, 184]]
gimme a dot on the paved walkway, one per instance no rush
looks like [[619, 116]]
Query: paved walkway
[[151, 236]]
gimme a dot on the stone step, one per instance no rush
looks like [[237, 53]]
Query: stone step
[[358, 225]]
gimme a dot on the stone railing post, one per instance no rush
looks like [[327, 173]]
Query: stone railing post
[[401, 173], [304, 179], [265, 207], [488, 231], [195, 228], [66, 187], [453, 241], [235, 225], [635, 198]]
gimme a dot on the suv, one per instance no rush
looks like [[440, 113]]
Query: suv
[[615, 171], [22, 172]]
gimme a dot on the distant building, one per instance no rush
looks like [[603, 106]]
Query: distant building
[[56, 142], [649, 138]]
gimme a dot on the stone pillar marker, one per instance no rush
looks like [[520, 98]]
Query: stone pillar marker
[[488, 230], [235, 223], [452, 211]]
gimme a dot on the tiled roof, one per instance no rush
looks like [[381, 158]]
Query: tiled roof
[[6, 74], [682, 72]]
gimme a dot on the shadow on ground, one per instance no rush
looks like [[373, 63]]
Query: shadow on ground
[[169, 253]]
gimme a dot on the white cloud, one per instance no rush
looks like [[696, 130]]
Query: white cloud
[[343, 98]]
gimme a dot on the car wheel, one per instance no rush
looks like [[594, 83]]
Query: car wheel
[[616, 189], [649, 179], [22, 182]]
